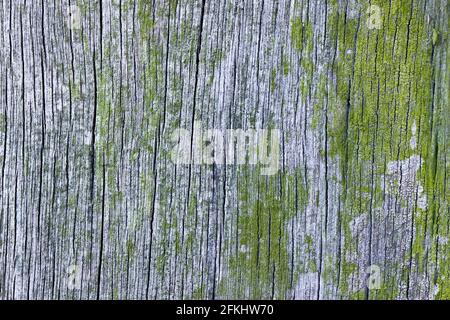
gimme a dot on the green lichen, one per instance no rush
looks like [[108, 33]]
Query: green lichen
[[383, 85]]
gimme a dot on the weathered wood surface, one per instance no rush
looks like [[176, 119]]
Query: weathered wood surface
[[93, 206]]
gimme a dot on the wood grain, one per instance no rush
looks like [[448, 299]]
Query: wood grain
[[93, 206]]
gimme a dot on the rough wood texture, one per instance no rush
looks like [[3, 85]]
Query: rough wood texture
[[93, 206]]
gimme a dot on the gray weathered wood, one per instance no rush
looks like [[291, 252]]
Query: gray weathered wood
[[93, 206]]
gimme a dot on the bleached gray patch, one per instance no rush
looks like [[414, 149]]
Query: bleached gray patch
[[402, 179]]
